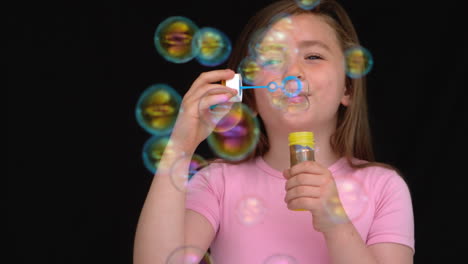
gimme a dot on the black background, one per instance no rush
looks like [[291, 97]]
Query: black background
[[76, 180]]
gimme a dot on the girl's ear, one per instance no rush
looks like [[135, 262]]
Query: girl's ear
[[346, 99]]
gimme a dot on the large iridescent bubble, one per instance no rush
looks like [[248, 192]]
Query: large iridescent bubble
[[217, 112], [270, 53], [358, 62], [153, 150], [173, 39], [276, 45], [213, 47], [157, 109], [239, 141]]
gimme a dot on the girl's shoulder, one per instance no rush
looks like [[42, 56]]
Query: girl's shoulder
[[376, 173]]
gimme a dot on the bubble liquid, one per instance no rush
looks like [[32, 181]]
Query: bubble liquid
[[301, 148]]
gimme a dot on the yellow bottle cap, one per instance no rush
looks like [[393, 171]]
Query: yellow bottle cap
[[304, 138]]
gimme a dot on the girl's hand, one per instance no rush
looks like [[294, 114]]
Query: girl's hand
[[206, 91], [310, 186]]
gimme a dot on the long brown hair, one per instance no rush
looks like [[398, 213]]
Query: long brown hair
[[352, 137]]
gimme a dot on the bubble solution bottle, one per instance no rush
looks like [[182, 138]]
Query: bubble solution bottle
[[301, 147]]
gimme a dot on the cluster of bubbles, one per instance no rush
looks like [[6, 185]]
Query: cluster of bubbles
[[272, 53], [235, 128], [156, 112], [178, 39]]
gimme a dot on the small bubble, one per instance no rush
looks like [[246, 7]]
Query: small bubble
[[250, 211], [352, 202], [153, 150], [189, 255], [307, 4], [358, 62], [213, 46]]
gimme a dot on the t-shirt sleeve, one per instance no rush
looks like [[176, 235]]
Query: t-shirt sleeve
[[204, 191], [393, 219]]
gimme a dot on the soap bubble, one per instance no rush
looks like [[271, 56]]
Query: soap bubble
[[272, 46], [358, 61], [239, 141], [353, 197], [184, 168], [213, 46], [157, 109], [189, 255], [250, 210], [153, 150], [250, 70], [307, 4], [280, 259], [273, 57], [292, 97], [173, 39], [217, 112], [292, 86]]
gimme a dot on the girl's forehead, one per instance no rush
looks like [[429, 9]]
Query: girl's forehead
[[302, 27]]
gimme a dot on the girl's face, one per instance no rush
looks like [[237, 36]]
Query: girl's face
[[313, 55]]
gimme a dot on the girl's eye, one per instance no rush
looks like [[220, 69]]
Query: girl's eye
[[313, 57]]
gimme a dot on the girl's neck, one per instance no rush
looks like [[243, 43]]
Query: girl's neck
[[278, 155]]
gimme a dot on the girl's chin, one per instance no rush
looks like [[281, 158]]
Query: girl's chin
[[294, 122]]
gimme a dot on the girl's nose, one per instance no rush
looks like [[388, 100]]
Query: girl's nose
[[294, 69]]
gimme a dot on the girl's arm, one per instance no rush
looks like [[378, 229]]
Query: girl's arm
[[345, 245], [162, 226], [311, 187]]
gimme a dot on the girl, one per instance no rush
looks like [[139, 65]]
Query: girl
[[293, 223]]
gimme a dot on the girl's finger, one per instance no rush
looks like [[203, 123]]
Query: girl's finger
[[215, 103], [302, 192], [209, 89], [213, 76], [305, 179], [307, 167]]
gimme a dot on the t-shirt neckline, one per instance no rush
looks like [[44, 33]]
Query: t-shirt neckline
[[261, 163]]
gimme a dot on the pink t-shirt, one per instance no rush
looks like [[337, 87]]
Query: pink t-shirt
[[245, 205]]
